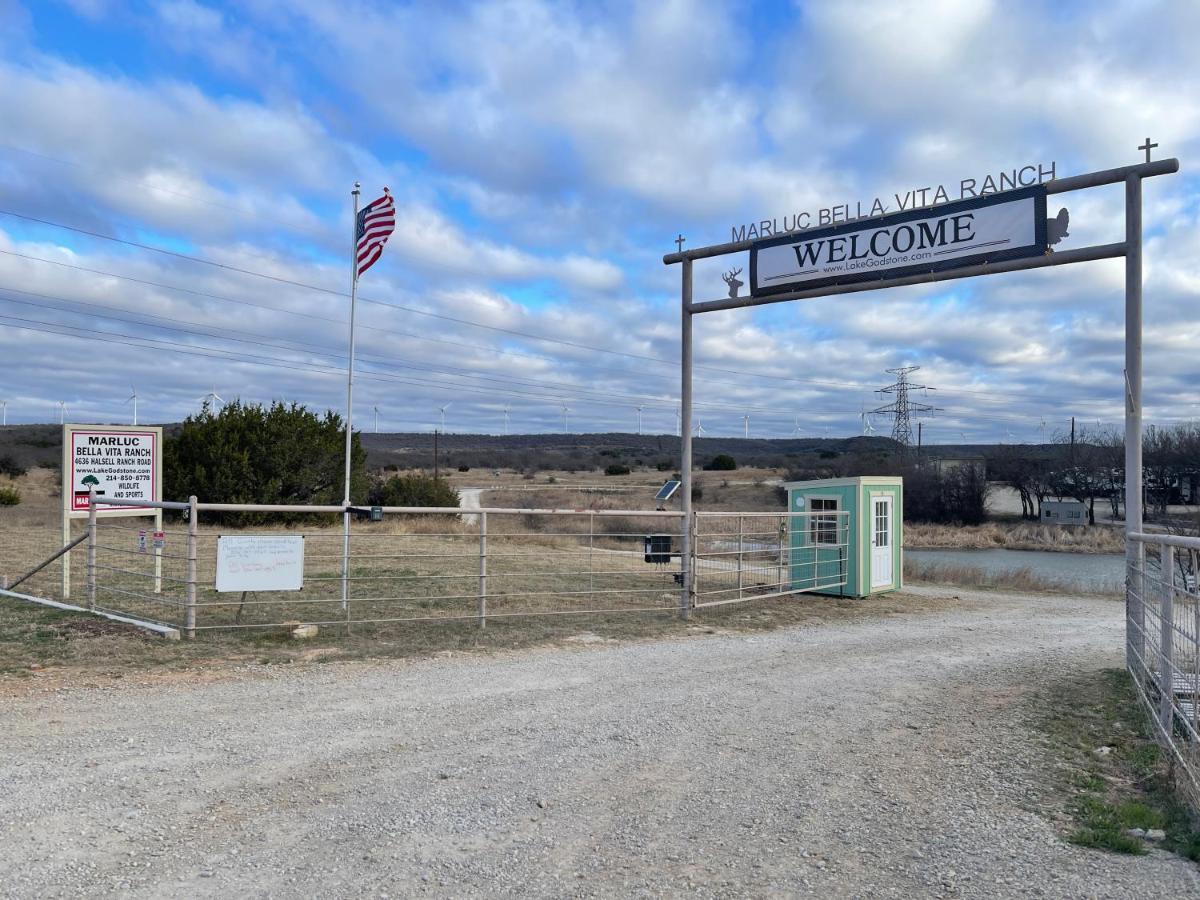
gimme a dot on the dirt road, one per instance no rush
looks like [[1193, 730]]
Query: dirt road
[[888, 758]]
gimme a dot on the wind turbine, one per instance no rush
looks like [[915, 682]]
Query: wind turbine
[[62, 411], [214, 397], [746, 426], [678, 423], [796, 430], [377, 420], [3, 412], [565, 410], [506, 411], [639, 412], [442, 413], [133, 396], [868, 425], [699, 428]]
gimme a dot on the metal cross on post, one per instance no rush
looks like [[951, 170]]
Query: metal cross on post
[[1147, 147], [679, 240]]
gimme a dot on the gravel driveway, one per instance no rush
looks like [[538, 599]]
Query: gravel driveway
[[884, 758]]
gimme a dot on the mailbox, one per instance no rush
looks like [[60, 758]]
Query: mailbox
[[658, 548]]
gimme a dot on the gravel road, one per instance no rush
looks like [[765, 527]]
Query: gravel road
[[886, 758]]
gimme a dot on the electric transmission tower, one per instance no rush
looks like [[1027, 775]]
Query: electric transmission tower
[[902, 408]]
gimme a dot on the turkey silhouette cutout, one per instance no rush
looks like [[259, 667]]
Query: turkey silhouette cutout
[[1056, 228]]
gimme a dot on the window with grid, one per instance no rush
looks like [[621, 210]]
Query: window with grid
[[882, 531], [822, 529]]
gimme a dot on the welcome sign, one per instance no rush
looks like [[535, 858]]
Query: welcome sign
[[965, 233]]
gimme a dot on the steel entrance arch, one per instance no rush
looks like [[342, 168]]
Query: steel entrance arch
[[1130, 249]]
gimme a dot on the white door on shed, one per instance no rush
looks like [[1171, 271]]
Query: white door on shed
[[881, 541]]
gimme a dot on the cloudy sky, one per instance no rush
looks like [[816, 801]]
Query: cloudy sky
[[175, 207]]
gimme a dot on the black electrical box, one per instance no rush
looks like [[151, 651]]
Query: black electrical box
[[658, 548]]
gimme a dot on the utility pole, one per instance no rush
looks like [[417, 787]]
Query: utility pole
[[435, 454], [920, 426], [902, 407], [1072, 441]]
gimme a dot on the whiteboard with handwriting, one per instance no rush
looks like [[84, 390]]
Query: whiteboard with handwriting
[[260, 562]]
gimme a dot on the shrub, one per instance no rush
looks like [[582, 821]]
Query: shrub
[[249, 453], [464, 468], [617, 469], [10, 467], [414, 490], [9, 496], [722, 462], [664, 466]]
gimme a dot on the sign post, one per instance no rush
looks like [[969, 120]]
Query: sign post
[[117, 461], [1005, 231]]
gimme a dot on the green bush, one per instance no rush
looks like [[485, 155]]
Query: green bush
[[9, 496], [617, 469], [249, 453], [414, 490], [10, 467], [722, 462]]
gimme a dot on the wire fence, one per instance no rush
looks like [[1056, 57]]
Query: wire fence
[[740, 556], [410, 564], [1163, 644]]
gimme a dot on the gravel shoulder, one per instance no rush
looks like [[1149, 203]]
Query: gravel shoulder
[[884, 758]]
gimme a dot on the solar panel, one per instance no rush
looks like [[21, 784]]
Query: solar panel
[[667, 491]]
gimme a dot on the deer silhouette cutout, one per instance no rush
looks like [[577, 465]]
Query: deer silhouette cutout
[[731, 279]]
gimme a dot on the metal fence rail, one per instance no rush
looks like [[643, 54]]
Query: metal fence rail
[[1163, 644], [743, 556], [423, 564]]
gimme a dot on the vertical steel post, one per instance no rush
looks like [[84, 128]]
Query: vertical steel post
[[1135, 554], [483, 570], [91, 550], [193, 540], [741, 547], [158, 526], [1166, 640], [685, 441], [350, 405]]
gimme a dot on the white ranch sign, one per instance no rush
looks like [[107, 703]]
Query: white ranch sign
[[988, 229], [264, 562]]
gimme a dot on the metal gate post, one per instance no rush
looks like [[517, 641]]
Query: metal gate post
[[782, 550], [192, 541], [91, 550], [1135, 591], [1166, 640], [483, 570], [741, 545], [685, 442]]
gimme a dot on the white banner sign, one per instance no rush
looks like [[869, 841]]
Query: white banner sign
[[955, 235], [260, 562], [116, 461]]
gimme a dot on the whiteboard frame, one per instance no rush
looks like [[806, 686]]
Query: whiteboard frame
[[225, 582]]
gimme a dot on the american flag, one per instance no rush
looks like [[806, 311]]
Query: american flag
[[376, 222]]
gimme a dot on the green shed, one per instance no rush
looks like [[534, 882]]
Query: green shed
[[847, 535]]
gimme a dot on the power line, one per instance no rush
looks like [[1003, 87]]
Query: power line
[[467, 322], [506, 385]]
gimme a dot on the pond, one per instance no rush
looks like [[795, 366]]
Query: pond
[[1090, 571]]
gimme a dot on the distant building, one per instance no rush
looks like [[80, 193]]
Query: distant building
[[1064, 512], [945, 465]]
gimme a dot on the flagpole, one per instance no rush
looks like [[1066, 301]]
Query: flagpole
[[349, 405]]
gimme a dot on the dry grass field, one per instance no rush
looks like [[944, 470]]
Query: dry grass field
[[1022, 536]]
